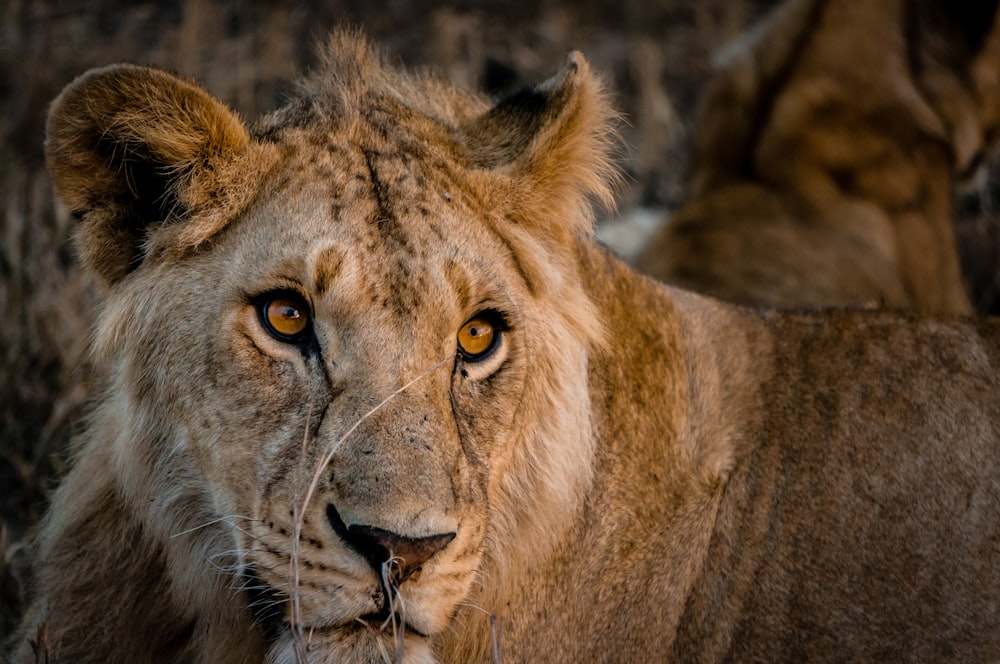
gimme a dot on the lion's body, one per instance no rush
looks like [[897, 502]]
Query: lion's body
[[627, 473], [826, 154], [836, 536]]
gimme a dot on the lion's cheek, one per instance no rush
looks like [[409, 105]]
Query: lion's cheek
[[486, 414], [238, 444]]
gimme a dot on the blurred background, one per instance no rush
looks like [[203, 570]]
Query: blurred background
[[655, 55]]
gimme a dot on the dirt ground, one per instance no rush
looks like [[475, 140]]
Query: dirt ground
[[654, 53]]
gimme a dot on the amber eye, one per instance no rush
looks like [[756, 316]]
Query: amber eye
[[285, 316], [477, 338]]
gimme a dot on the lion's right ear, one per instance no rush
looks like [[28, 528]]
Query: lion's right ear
[[557, 142], [131, 148]]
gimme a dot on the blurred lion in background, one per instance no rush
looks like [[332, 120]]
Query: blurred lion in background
[[826, 154]]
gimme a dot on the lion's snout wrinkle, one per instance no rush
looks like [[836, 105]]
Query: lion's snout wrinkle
[[379, 546]]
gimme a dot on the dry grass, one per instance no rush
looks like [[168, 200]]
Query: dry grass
[[655, 52]]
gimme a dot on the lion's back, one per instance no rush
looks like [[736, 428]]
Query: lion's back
[[861, 511]]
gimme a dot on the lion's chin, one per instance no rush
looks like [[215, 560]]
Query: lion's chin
[[362, 643]]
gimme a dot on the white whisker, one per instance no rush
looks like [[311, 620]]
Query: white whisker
[[293, 571], [298, 512], [221, 519]]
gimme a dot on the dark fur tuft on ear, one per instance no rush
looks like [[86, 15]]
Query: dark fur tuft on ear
[[557, 142]]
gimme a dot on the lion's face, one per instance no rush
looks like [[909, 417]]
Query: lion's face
[[349, 331], [368, 371]]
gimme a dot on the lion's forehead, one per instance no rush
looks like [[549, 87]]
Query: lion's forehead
[[389, 221]]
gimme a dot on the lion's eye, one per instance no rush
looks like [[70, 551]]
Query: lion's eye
[[285, 316], [478, 338]]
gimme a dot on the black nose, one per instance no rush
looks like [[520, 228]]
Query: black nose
[[379, 546]]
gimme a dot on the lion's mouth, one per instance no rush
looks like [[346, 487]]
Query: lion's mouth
[[384, 620], [267, 605]]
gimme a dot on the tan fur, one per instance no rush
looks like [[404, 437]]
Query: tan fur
[[826, 153], [634, 474]]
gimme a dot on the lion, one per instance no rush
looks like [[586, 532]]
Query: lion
[[826, 153], [375, 393]]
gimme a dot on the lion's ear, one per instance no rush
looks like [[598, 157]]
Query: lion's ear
[[130, 149], [556, 141]]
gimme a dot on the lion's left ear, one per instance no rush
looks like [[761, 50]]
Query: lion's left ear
[[139, 154], [556, 142]]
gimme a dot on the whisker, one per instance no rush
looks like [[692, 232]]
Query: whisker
[[246, 532], [496, 624], [383, 652], [476, 607], [225, 554], [224, 569], [267, 604], [298, 512], [496, 627], [397, 607], [213, 522], [333, 448]]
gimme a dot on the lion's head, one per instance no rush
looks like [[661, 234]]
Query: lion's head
[[349, 357]]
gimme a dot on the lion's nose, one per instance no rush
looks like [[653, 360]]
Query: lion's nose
[[379, 546]]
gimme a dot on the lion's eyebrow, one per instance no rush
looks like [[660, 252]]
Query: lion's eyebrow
[[458, 279], [326, 266]]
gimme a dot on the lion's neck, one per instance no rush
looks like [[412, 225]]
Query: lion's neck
[[652, 501]]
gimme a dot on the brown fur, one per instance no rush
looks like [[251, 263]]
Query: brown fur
[[826, 153], [634, 474]]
